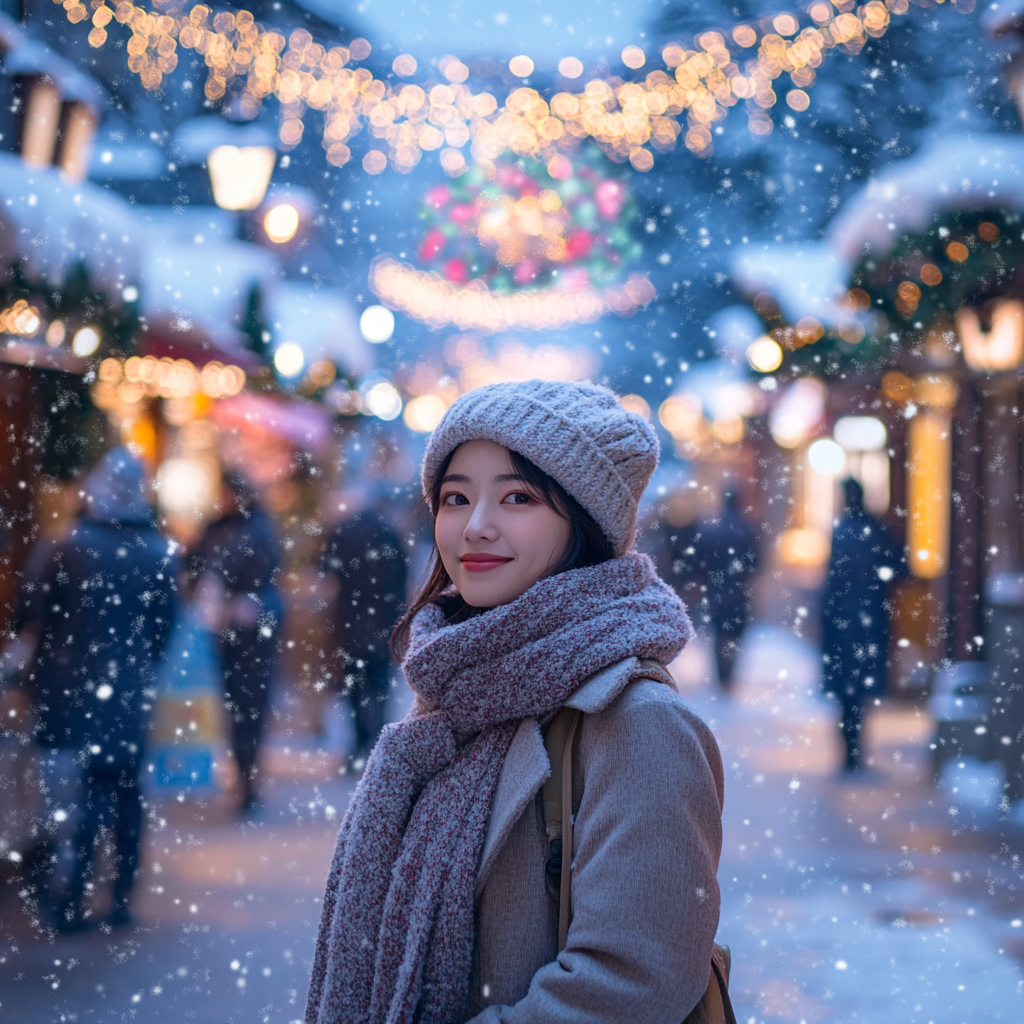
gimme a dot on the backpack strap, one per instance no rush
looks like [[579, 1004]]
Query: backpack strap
[[559, 812], [715, 1007]]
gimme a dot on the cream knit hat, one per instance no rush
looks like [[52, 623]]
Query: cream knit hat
[[579, 434]]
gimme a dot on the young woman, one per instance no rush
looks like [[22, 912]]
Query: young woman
[[437, 908]]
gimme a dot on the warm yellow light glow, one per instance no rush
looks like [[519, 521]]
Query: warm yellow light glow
[[804, 546], [633, 57], [253, 62], [85, 341], [431, 299], [765, 355], [637, 404], [681, 416], [1000, 348], [521, 66], [929, 473], [56, 333], [289, 359], [20, 318], [570, 67], [281, 223], [424, 412], [240, 175], [728, 429], [136, 378]]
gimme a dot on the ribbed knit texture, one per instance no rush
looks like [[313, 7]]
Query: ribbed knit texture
[[577, 433], [396, 932]]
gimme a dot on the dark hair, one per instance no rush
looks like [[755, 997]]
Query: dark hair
[[587, 545]]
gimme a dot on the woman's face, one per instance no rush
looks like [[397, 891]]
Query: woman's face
[[496, 538]]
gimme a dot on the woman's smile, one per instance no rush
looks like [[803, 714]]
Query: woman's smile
[[483, 562]]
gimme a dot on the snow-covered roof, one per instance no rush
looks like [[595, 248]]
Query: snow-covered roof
[[54, 224], [321, 321], [198, 278], [24, 55], [957, 173], [193, 139]]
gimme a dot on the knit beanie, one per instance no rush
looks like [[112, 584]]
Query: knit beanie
[[579, 434]]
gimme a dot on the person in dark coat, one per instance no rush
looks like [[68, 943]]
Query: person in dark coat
[[723, 553], [101, 603], [855, 617], [364, 554], [238, 564]]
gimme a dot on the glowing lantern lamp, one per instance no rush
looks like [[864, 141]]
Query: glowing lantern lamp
[[281, 223], [240, 175], [1002, 347]]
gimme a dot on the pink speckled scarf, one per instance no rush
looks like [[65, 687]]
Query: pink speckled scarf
[[396, 933]]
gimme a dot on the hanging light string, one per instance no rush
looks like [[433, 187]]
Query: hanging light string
[[628, 120]]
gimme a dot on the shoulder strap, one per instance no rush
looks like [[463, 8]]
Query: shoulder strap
[[558, 812], [715, 1007], [558, 809]]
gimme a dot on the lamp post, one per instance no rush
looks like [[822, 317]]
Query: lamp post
[[995, 355]]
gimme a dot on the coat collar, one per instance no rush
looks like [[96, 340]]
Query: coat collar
[[526, 766]]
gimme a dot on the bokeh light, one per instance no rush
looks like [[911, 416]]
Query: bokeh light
[[85, 341], [281, 223], [289, 359], [377, 324], [826, 457], [765, 355]]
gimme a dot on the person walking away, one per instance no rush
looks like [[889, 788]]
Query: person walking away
[[449, 898], [855, 616], [238, 564], [369, 569], [724, 553], [101, 602]]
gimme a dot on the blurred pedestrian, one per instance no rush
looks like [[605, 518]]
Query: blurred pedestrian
[[101, 604], [855, 616], [237, 562], [723, 552], [369, 568]]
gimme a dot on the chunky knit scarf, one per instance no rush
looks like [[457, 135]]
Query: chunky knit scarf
[[396, 933]]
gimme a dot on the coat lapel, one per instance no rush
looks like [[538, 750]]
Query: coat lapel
[[525, 770], [526, 766]]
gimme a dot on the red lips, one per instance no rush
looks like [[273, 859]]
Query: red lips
[[482, 562]]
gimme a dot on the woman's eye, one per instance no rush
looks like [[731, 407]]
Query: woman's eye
[[518, 498], [455, 499]]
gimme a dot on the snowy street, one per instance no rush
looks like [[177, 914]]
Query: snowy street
[[886, 901]]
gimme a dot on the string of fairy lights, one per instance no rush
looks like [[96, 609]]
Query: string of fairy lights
[[756, 63]]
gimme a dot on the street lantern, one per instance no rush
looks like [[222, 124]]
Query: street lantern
[[240, 175], [239, 157], [998, 349]]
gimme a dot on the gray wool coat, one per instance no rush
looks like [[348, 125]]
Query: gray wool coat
[[646, 844]]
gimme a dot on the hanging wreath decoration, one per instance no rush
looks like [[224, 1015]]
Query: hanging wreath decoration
[[532, 245]]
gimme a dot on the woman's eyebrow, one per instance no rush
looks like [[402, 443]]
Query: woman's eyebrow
[[506, 478], [455, 478]]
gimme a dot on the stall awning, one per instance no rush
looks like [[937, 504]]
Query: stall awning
[[23, 55]]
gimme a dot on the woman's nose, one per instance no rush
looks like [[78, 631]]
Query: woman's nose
[[482, 523]]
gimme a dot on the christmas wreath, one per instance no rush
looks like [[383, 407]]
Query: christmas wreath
[[531, 225]]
